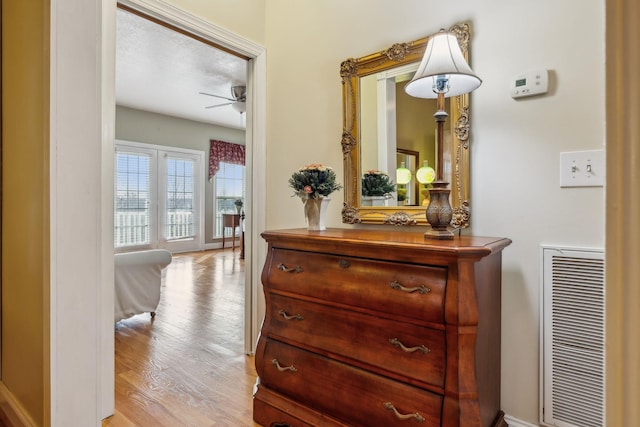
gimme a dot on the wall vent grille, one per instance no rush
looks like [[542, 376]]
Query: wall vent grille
[[573, 337]]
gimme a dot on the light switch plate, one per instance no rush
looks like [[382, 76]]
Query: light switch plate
[[582, 168]]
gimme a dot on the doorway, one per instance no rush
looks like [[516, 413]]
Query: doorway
[[164, 71], [254, 117]]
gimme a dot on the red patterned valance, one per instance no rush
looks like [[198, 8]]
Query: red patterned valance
[[220, 151]]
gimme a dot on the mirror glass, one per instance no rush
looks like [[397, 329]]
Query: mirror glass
[[386, 131]]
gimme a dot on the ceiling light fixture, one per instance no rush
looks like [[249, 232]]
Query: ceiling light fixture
[[239, 106]]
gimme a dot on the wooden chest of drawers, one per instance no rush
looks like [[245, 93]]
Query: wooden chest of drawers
[[379, 328]]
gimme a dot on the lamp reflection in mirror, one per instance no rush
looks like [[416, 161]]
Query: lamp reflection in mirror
[[443, 73], [425, 176], [403, 175]]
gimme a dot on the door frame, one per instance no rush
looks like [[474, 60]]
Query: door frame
[[255, 159]]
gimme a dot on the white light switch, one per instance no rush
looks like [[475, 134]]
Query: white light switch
[[582, 168]]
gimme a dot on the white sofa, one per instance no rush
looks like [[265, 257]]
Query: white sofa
[[138, 277]]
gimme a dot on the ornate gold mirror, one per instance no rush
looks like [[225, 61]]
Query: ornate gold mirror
[[387, 131]]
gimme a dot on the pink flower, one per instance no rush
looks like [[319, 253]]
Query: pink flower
[[308, 189], [315, 166]]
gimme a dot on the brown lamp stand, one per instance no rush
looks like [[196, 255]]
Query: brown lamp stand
[[439, 212]]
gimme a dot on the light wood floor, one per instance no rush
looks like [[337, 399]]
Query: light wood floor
[[187, 367]]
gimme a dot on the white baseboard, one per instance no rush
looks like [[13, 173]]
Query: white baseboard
[[514, 422], [218, 245], [16, 413]]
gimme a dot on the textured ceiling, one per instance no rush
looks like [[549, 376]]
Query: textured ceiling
[[163, 71]]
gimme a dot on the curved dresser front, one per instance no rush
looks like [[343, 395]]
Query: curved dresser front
[[379, 328]]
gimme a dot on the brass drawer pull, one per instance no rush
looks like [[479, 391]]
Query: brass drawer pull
[[290, 316], [296, 269], [421, 289], [421, 348], [417, 417], [283, 368], [343, 263]]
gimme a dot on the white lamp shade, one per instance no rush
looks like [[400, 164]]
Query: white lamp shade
[[442, 57], [426, 174], [403, 175]]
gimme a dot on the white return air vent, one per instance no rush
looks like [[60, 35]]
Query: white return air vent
[[572, 375]]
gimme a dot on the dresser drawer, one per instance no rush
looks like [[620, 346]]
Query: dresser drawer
[[415, 291], [414, 352], [358, 397]]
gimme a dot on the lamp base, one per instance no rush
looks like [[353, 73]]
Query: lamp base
[[439, 212]]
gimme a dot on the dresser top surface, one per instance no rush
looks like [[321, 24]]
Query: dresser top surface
[[337, 238]]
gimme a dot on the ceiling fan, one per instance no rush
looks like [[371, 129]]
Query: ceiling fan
[[238, 99]]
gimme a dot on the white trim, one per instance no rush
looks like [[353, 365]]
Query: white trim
[[157, 147], [514, 422], [195, 25], [212, 246], [386, 113], [53, 216], [80, 274], [105, 337], [256, 194], [17, 409]]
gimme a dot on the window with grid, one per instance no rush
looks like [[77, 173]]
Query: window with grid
[[229, 187], [132, 214], [158, 197], [180, 193]]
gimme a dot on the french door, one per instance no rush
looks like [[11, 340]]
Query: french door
[[158, 197]]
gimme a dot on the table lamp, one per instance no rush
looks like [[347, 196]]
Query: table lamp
[[443, 73]]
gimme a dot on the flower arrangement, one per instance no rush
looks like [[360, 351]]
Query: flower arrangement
[[314, 181], [377, 183]]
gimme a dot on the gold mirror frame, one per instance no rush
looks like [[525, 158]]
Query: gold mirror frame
[[351, 71]]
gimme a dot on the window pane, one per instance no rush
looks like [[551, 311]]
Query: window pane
[[132, 217], [229, 186], [180, 193]]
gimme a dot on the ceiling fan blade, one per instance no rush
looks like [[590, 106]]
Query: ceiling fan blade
[[219, 105], [217, 96]]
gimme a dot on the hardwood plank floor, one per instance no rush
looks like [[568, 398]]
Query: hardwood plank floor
[[186, 366]]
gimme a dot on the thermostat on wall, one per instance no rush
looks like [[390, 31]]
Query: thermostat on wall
[[528, 84]]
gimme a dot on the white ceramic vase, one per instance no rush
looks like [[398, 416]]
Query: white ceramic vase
[[315, 211]]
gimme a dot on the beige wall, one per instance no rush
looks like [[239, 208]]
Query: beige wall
[[143, 126], [515, 144], [242, 17], [25, 208]]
